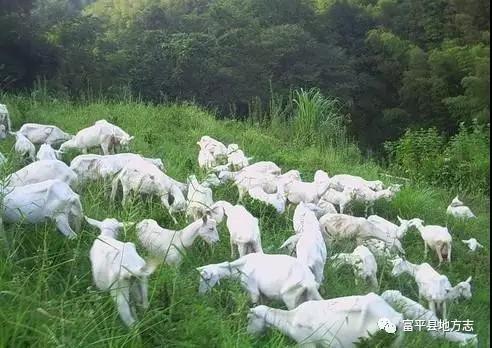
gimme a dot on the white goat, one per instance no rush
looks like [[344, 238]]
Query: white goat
[[23, 147], [336, 323], [246, 180], [277, 277], [44, 134], [169, 246], [206, 159], [40, 171], [102, 134], [433, 287], [368, 197], [459, 210], [412, 310], [46, 152], [145, 178], [236, 158], [276, 200], [95, 167], [363, 263], [377, 247], [472, 244], [340, 199], [50, 199], [215, 147], [337, 226], [308, 240], [341, 181], [436, 238], [199, 197], [119, 269], [306, 192], [244, 229]]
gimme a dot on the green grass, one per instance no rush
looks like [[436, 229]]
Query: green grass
[[46, 294]]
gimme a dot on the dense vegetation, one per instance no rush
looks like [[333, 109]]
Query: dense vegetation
[[393, 64], [47, 298]]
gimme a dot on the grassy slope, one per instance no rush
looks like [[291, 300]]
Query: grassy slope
[[46, 294]]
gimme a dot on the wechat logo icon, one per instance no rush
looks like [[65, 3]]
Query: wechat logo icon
[[386, 325]]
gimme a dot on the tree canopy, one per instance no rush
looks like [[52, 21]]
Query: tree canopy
[[395, 64]]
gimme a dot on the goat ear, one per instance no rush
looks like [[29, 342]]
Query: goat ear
[[131, 138], [469, 279], [92, 222]]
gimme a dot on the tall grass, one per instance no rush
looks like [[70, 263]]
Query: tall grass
[[318, 120]]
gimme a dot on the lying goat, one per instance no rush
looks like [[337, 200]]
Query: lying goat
[[335, 323]]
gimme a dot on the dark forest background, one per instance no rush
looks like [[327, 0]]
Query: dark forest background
[[393, 64]]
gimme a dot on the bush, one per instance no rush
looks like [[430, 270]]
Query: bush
[[318, 120], [462, 163]]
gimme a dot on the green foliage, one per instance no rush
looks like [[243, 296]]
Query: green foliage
[[462, 163]]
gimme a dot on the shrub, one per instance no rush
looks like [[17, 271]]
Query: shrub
[[462, 163]]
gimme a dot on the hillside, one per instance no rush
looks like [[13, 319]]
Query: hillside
[[46, 294]]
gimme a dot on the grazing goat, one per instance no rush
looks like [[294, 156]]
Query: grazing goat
[[44, 134], [459, 210], [306, 192], [50, 199], [276, 200], [363, 263], [23, 147], [436, 238], [244, 229], [412, 310], [277, 277], [102, 134], [433, 287], [215, 147], [236, 158], [336, 226], [340, 199], [472, 244], [368, 197], [169, 245], [145, 178], [341, 181], [199, 197], [118, 269], [308, 241], [46, 152], [40, 171], [95, 167], [211, 152], [336, 323]]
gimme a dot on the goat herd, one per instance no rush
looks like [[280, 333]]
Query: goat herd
[[46, 189]]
